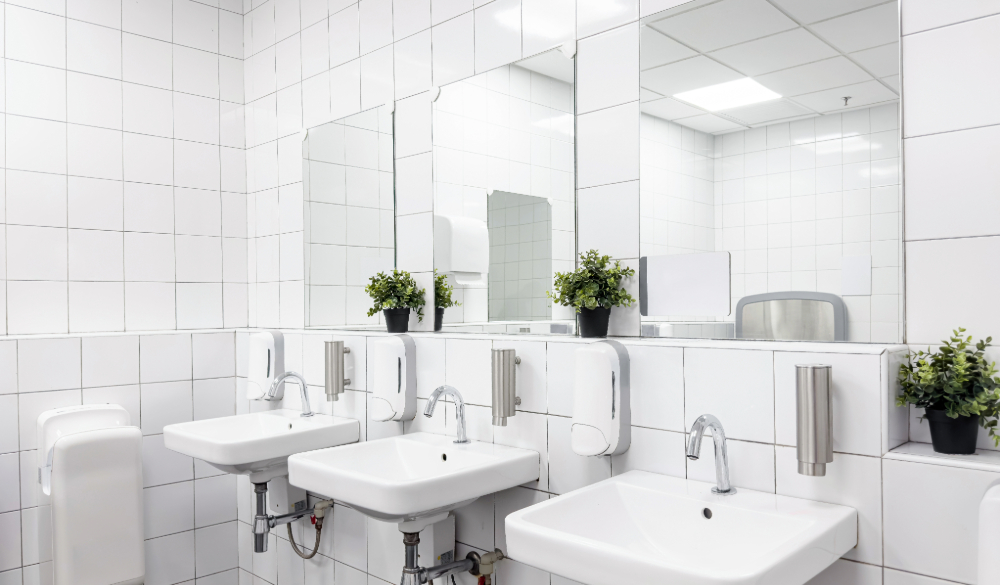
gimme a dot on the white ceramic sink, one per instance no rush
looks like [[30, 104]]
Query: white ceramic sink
[[642, 527], [258, 444], [412, 478]]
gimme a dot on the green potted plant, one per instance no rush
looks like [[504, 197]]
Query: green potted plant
[[592, 289], [442, 298], [395, 295], [958, 390]]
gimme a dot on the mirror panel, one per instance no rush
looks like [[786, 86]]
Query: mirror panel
[[504, 160], [770, 130], [348, 205]]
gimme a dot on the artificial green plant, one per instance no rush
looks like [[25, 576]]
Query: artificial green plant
[[395, 291], [596, 283], [957, 379], [442, 292]]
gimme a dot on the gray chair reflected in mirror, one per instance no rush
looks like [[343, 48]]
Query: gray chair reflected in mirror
[[792, 316]]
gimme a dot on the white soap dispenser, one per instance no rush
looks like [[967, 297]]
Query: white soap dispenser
[[602, 416], [267, 360], [394, 396]]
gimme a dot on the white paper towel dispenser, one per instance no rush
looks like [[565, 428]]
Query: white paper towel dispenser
[[461, 246], [602, 414], [267, 360], [394, 360]]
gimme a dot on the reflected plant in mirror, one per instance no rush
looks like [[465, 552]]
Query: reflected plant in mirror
[[442, 298], [395, 295], [769, 131], [592, 290]]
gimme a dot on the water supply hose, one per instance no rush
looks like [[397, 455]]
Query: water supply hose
[[319, 512]]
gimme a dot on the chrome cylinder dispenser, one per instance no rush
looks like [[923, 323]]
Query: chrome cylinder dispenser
[[504, 385], [333, 357], [814, 418]]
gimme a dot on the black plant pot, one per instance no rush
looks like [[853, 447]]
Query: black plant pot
[[438, 318], [594, 322], [397, 320], [956, 436]]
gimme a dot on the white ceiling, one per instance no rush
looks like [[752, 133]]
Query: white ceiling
[[812, 52]]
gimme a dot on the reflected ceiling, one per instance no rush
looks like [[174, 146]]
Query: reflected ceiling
[[813, 53]]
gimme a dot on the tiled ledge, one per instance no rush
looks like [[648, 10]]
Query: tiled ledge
[[793, 346], [983, 460]]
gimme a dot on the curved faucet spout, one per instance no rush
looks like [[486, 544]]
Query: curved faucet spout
[[272, 393], [707, 421], [459, 408]]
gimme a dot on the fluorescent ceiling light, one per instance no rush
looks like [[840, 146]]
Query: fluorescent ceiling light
[[731, 94]]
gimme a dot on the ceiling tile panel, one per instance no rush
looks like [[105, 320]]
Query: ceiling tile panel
[[686, 75], [881, 61], [862, 30], [669, 109], [657, 49], [767, 112], [810, 11], [780, 51], [709, 123], [814, 77], [725, 23], [832, 100]]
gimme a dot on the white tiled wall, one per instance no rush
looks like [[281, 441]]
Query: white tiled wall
[[190, 507], [124, 166], [124, 136]]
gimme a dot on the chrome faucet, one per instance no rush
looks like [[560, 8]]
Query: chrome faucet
[[459, 409], [273, 393], [721, 455]]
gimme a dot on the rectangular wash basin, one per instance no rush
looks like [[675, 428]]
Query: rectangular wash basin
[[258, 444], [412, 477], [642, 527]]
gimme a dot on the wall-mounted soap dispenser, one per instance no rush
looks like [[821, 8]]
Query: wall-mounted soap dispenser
[[505, 400], [394, 360], [335, 379], [814, 418], [602, 414], [267, 360]]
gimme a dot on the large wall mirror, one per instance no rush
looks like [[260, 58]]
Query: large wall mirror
[[504, 194], [770, 160], [348, 201]]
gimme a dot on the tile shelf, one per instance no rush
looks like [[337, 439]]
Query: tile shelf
[[983, 460]]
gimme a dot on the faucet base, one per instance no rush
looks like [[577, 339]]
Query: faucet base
[[728, 492]]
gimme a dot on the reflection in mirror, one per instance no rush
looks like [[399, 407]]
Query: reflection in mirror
[[349, 224], [504, 169], [770, 130]]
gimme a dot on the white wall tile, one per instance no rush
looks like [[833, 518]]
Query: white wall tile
[[608, 218], [594, 16], [165, 358], [546, 23], [608, 145], [454, 50], [851, 480], [842, 571], [48, 364], [737, 386], [653, 450], [608, 69], [751, 465], [168, 509], [941, 543], [498, 34], [933, 308], [963, 154], [170, 559], [930, 77], [567, 470], [919, 15]]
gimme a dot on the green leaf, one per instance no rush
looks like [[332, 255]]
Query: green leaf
[[596, 283], [396, 291]]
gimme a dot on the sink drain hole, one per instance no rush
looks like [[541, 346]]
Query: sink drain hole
[[444, 457], [707, 513]]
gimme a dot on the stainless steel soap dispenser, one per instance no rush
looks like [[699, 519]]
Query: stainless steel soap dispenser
[[505, 400], [814, 418]]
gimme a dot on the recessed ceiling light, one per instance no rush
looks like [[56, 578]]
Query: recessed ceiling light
[[731, 94]]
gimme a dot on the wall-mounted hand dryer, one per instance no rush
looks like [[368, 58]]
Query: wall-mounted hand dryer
[[602, 415], [394, 396]]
